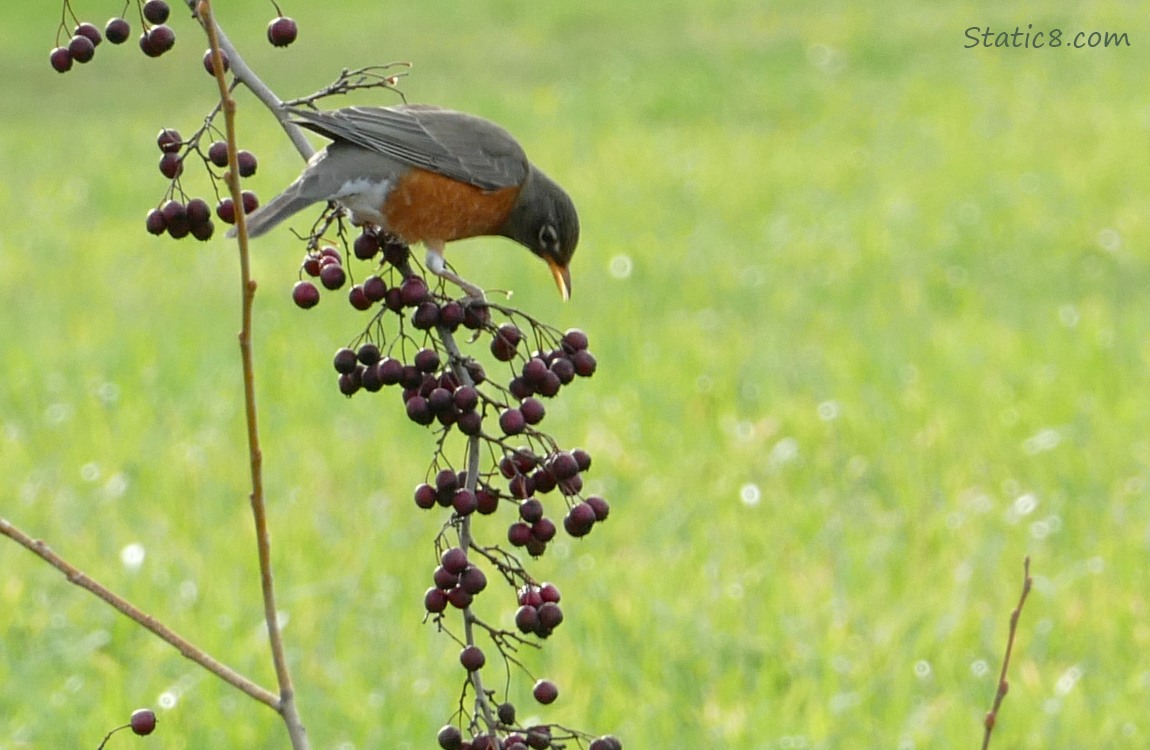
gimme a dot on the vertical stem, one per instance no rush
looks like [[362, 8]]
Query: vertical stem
[[287, 706]]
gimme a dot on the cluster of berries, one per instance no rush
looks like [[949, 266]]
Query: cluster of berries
[[194, 217], [526, 738], [156, 39]]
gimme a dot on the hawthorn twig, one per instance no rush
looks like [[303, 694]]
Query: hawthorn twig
[[286, 705], [133, 613], [1003, 685]]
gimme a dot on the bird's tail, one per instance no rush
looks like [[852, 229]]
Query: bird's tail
[[267, 217]]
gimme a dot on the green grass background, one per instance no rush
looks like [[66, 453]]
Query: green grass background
[[871, 316]]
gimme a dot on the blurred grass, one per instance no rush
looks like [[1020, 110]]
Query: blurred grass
[[871, 321]]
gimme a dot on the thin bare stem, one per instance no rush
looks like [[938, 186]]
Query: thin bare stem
[[1003, 685], [287, 706], [129, 610]]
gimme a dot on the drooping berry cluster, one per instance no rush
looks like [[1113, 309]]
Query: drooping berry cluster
[[408, 345], [156, 39], [179, 218]]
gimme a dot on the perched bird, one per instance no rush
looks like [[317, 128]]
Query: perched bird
[[432, 175]]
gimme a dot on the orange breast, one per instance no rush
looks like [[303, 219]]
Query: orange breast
[[428, 206]]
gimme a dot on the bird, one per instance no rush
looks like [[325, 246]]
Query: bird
[[428, 174]]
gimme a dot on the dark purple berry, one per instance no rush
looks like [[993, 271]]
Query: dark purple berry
[[332, 276], [344, 361], [176, 218], [390, 371], [533, 411], [425, 496], [156, 11], [426, 360], [466, 398], [534, 371], [584, 363], [454, 560], [548, 592], [425, 316], [543, 530], [282, 31], [538, 738], [305, 294], [226, 210], [199, 212], [476, 315], [155, 223], [519, 388], [470, 423], [251, 201], [518, 534], [440, 401], [143, 721], [117, 30], [521, 486], [487, 502], [600, 506], [368, 353], [210, 67], [169, 140], [544, 481], [435, 600], [61, 59], [450, 738], [579, 520], [464, 502], [473, 580], [531, 510], [451, 315], [157, 40], [505, 341], [171, 165], [90, 31], [545, 692], [218, 154], [564, 369], [366, 246], [358, 298], [527, 619], [81, 48], [413, 291], [512, 422], [530, 596], [418, 411], [246, 163], [550, 385], [574, 340], [506, 713], [460, 598], [582, 459], [563, 466], [550, 615], [375, 288], [350, 382]]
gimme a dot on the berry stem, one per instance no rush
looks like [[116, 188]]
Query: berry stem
[[1001, 688], [455, 357], [286, 704], [133, 613]]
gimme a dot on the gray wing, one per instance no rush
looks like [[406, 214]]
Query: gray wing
[[461, 146]]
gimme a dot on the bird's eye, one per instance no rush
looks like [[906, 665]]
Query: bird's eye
[[548, 237]]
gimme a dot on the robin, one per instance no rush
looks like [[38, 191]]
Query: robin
[[432, 175]]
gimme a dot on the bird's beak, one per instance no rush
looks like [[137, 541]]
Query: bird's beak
[[562, 278]]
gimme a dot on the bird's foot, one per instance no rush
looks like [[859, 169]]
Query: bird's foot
[[438, 266]]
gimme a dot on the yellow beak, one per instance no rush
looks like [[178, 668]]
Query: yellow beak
[[562, 278]]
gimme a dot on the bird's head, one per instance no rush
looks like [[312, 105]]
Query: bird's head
[[545, 222]]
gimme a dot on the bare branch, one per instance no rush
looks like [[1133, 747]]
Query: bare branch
[[129, 610]]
